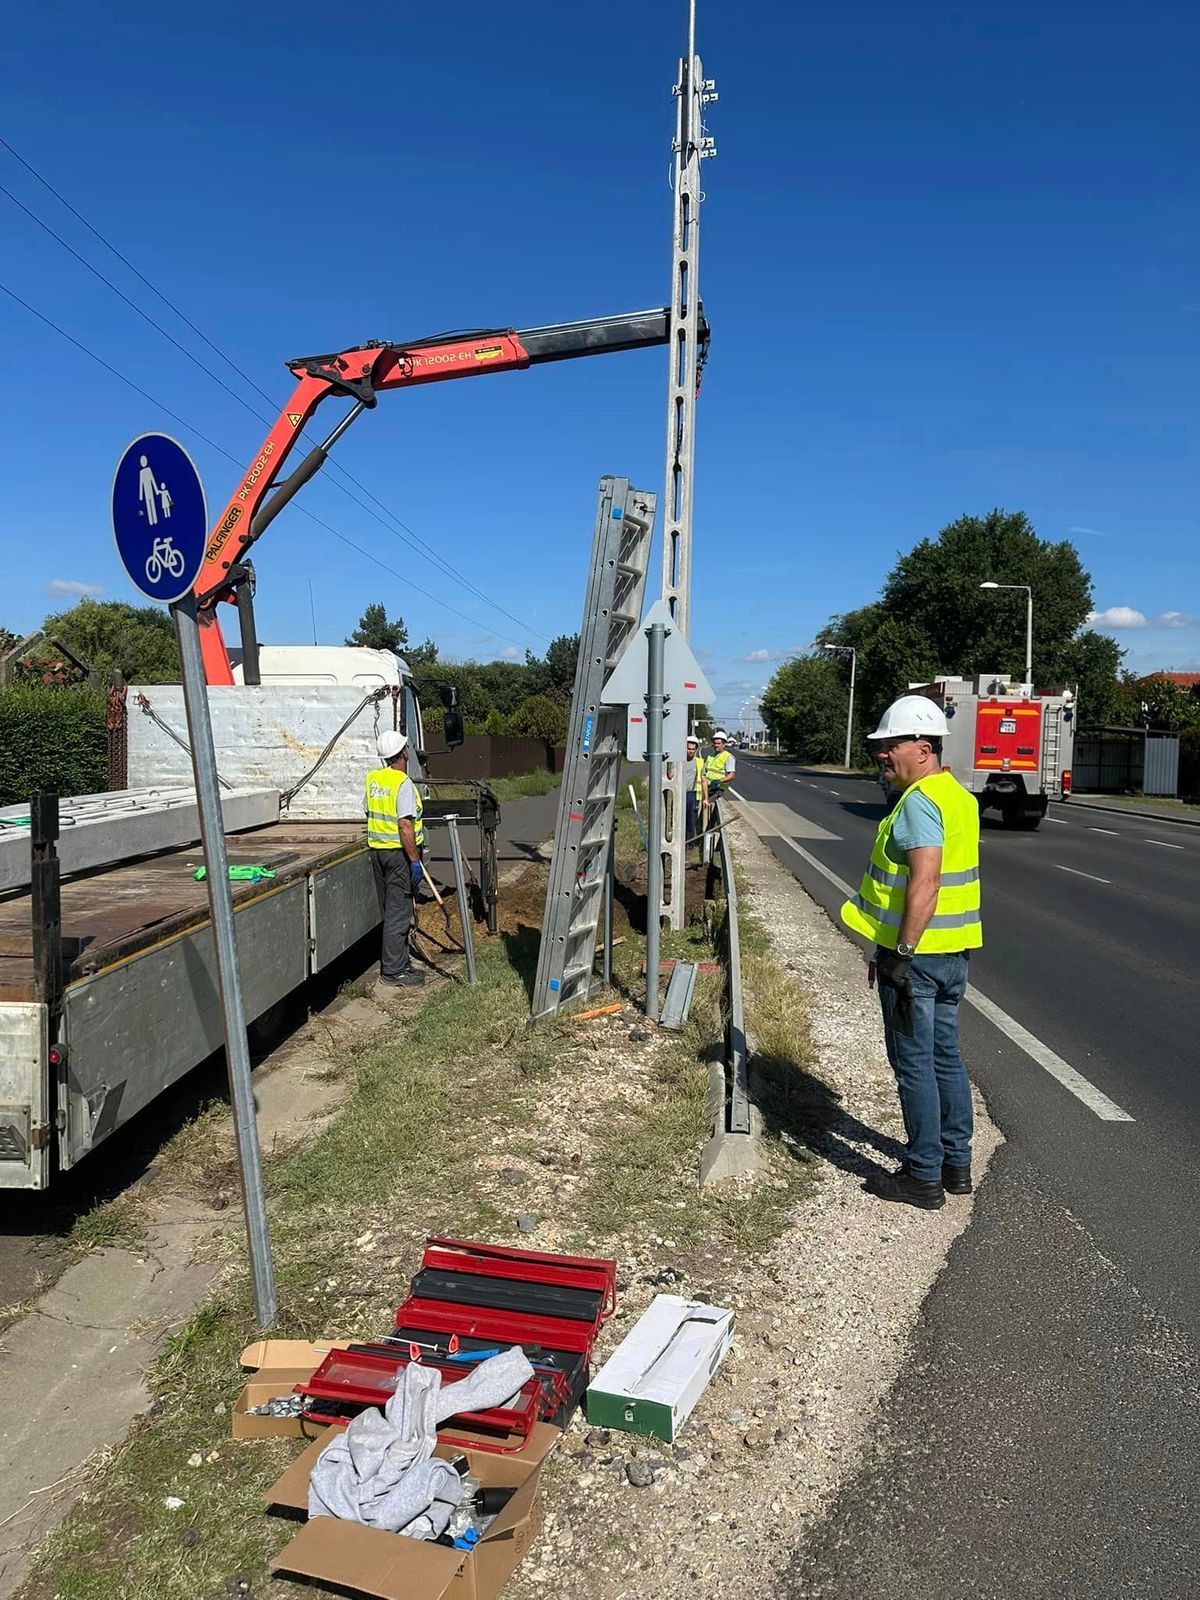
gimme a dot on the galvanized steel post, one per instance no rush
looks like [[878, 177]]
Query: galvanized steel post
[[220, 904], [657, 634]]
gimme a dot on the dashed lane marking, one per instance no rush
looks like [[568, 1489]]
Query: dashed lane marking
[[1112, 832], [1075, 872], [1163, 843], [1074, 1082]]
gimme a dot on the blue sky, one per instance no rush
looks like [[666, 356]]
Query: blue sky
[[950, 258]]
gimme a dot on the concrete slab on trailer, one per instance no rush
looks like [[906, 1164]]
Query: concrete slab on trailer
[[117, 911]]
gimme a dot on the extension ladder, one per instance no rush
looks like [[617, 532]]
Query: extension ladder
[[587, 800]]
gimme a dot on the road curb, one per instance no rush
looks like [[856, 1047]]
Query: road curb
[[1128, 811]]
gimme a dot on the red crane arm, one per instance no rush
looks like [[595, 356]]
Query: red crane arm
[[362, 374]]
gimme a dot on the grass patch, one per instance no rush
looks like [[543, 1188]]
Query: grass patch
[[515, 788], [115, 1225]]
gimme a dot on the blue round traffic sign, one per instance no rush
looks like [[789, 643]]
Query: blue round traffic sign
[[160, 521]]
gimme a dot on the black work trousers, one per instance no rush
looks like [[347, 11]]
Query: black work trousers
[[393, 885]]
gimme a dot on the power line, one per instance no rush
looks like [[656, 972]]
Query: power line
[[229, 456], [408, 537]]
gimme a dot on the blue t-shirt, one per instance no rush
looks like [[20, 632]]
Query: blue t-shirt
[[918, 824]]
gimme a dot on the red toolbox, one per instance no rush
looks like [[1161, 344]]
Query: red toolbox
[[469, 1298], [496, 1295]]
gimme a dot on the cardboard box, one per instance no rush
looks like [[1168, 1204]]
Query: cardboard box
[[280, 1353], [266, 1385], [654, 1378], [366, 1561]]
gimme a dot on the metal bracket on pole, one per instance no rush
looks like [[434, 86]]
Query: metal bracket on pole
[[220, 905], [460, 889]]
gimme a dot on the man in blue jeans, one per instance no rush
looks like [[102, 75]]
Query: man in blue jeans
[[919, 900]]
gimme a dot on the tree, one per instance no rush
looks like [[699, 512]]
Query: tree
[[540, 717], [376, 632], [1156, 702], [804, 706], [138, 641], [562, 657], [932, 617]]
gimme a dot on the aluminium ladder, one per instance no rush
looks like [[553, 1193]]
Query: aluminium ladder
[[595, 743]]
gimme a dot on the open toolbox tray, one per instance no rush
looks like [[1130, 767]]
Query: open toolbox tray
[[365, 1375]]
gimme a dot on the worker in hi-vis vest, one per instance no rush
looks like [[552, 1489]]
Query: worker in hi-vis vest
[[919, 901], [395, 835], [695, 789], [720, 767]]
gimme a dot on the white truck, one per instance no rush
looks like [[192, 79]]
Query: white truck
[[1010, 744]]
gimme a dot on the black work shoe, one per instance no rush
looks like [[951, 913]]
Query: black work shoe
[[403, 980], [955, 1180], [899, 1186]]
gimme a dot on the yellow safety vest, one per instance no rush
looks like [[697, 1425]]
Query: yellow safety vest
[[697, 766], [878, 908], [383, 826], [716, 767]]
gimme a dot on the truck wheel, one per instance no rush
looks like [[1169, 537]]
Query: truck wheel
[[1029, 821]]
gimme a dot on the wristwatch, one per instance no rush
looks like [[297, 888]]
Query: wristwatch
[[906, 951]]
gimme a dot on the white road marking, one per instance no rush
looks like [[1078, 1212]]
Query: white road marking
[[835, 791], [1163, 843], [814, 786], [1062, 821], [1112, 832], [1074, 1082], [1075, 872]]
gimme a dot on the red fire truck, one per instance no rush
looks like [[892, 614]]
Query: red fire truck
[[1010, 745]]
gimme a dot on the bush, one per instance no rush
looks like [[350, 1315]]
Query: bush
[[52, 740], [539, 717]]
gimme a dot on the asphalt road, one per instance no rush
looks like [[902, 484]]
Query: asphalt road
[[1044, 1439]]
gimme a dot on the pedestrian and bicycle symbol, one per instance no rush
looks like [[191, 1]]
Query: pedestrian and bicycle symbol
[[160, 521]]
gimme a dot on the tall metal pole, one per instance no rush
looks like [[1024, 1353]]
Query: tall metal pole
[[692, 93], [850, 713], [657, 635], [1029, 639], [220, 907]]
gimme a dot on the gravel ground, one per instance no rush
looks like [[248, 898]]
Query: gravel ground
[[824, 1322]]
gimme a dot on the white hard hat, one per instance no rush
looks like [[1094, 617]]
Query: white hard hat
[[913, 715], [391, 745], [721, 734], [692, 739]]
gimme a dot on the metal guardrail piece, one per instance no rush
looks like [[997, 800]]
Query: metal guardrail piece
[[735, 1027], [678, 1000]]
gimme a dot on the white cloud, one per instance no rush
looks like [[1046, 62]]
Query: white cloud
[[1117, 617], [71, 588], [1097, 533], [773, 655], [1120, 618], [511, 653]]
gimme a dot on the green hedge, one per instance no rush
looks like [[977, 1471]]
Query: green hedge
[[51, 741]]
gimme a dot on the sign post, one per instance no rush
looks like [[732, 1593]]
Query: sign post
[[657, 670], [160, 524]]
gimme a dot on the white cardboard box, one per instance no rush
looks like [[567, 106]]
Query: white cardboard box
[[654, 1378]]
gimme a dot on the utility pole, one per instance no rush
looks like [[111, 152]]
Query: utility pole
[[692, 145]]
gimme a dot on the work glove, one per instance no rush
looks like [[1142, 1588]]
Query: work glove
[[895, 972], [416, 872]]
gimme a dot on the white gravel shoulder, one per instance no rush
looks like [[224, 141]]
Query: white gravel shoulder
[[824, 1320]]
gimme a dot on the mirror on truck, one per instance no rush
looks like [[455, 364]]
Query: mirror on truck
[[450, 696], [452, 722]]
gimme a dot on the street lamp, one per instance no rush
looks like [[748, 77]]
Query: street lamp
[[1028, 625], [841, 649]]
